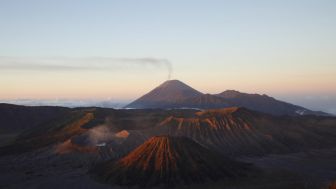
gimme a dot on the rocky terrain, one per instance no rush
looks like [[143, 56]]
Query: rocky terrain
[[239, 131], [62, 151]]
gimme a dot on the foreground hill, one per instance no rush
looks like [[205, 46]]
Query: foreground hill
[[82, 126], [176, 94], [15, 118], [168, 161]]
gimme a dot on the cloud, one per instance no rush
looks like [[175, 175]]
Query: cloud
[[83, 63]]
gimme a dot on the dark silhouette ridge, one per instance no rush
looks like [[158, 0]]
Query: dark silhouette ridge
[[176, 94]]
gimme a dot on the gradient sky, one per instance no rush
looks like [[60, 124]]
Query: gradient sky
[[54, 49]]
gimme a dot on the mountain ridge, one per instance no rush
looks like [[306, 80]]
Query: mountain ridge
[[176, 94], [239, 131]]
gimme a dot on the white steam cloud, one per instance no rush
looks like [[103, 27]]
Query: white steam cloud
[[100, 134]]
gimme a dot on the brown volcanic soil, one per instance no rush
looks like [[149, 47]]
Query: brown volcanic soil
[[233, 131], [168, 161]]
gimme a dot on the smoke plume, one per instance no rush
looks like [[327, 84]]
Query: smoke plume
[[86, 63], [100, 134]]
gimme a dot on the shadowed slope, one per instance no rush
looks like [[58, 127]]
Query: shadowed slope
[[53, 132], [164, 160], [15, 118], [205, 101], [264, 103]]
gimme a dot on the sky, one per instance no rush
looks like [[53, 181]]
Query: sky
[[109, 49]]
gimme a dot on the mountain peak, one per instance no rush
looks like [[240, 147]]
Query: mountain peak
[[175, 85], [230, 94], [166, 160], [173, 82], [165, 95]]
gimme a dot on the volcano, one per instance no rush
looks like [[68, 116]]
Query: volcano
[[175, 94], [167, 161], [239, 131], [165, 96]]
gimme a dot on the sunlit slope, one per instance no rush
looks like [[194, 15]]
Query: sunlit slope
[[164, 160]]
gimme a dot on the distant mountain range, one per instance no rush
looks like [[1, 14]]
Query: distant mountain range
[[176, 94], [70, 103]]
